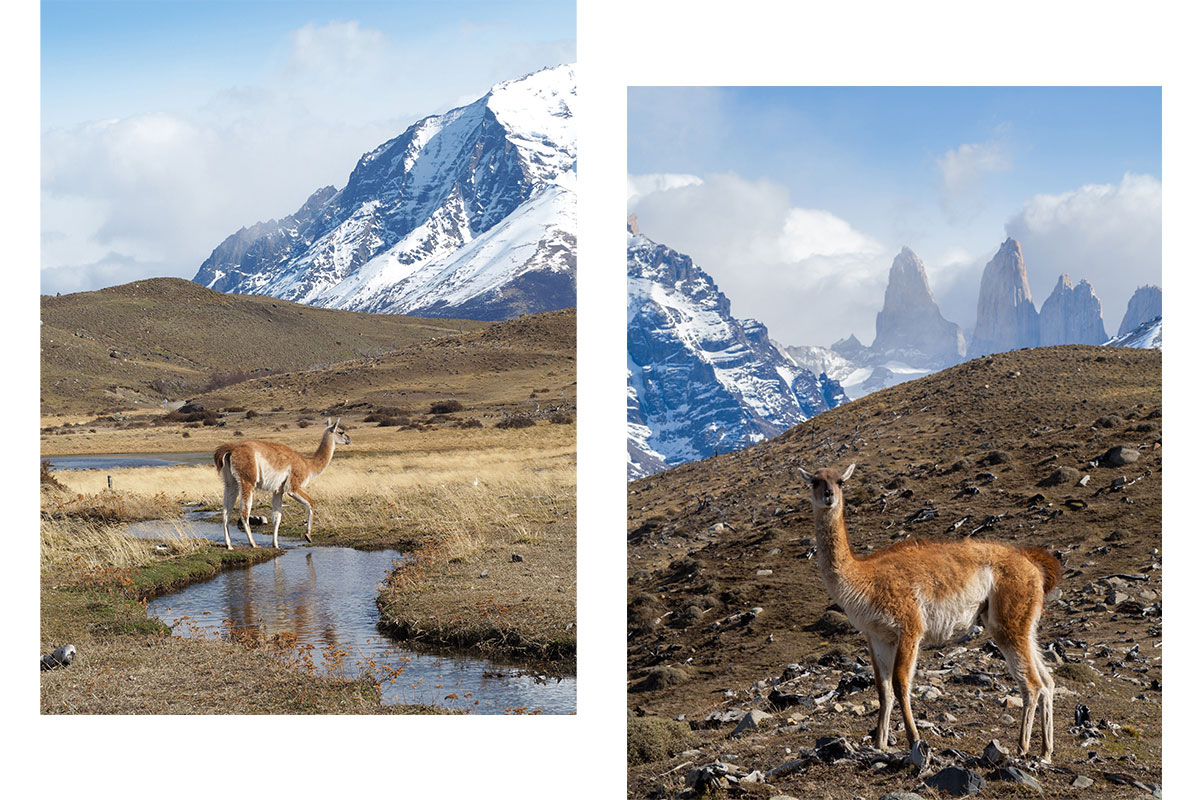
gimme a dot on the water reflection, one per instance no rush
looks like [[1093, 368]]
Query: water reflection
[[317, 604]]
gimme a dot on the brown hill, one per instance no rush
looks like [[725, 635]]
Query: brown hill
[[165, 338], [995, 446]]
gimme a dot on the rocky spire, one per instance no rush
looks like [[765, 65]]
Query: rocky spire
[[1006, 317], [910, 323], [1071, 315], [631, 225], [1144, 305]]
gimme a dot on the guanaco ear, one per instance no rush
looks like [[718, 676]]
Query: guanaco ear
[[329, 422], [808, 476], [339, 422], [849, 471]]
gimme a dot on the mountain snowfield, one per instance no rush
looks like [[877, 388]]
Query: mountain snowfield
[[470, 213], [1147, 335], [699, 380]]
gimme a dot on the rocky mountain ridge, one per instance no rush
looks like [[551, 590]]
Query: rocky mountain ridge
[[470, 213], [701, 381]]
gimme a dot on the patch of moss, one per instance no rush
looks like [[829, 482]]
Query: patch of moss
[[173, 573], [654, 738], [1080, 673]]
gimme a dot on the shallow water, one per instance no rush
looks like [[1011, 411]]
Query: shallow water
[[324, 597], [123, 460]]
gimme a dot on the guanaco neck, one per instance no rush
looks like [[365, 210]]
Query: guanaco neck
[[320, 459], [833, 545]]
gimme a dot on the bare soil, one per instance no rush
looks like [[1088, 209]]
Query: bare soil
[[978, 443]]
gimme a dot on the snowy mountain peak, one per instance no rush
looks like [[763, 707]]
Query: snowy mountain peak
[[701, 381], [466, 213]]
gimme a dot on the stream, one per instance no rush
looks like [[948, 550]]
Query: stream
[[320, 601]]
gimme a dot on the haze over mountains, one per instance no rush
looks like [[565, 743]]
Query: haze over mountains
[[912, 338], [466, 214]]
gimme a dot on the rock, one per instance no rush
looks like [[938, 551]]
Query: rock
[[834, 622], [1017, 775], [762, 573], [830, 748], [919, 755], [483, 574], [1144, 305], [896, 796], [60, 657], [1081, 782], [1006, 318], [1071, 315], [995, 458], [1119, 456], [910, 325], [750, 721], [956, 781], [1115, 598], [1060, 476], [517, 557], [994, 754], [781, 700]]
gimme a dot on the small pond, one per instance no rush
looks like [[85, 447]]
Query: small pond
[[125, 460]]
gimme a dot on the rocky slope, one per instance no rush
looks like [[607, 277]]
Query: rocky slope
[[470, 213], [1144, 305], [1006, 316], [1071, 315], [701, 381], [728, 618]]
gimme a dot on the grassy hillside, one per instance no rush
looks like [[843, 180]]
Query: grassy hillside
[[136, 344], [999, 443]]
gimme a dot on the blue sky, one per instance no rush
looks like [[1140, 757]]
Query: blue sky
[[166, 126], [948, 171]]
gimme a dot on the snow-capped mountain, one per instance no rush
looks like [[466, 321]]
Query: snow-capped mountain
[[699, 380], [1146, 335], [470, 213]]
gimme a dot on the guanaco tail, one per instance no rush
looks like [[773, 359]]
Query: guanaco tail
[[933, 592], [277, 468]]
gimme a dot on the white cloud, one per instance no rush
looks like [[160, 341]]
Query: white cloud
[[1110, 234], [160, 190], [808, 274], [639, 185], [963, 172]]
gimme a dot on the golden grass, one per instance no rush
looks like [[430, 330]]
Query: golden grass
[[67, 544], [462, 489]]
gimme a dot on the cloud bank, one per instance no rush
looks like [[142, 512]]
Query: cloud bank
[[1110, 234], [154, 193], [808, 274]]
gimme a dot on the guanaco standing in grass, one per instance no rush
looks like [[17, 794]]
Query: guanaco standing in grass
[[277, 468], [932, 592]]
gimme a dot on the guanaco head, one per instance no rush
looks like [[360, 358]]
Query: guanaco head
[[334, 427], [826, 485]]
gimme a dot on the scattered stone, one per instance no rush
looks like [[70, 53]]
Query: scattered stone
[[956, 781], [1119, 456], [483, 574], [1081, 782], [762, 573], [781, 700], [1017, 775], [61, 657], [831, 748], [1084, 480], [893, 796], [995, 754], [919, 755], [834, 622], [750, 721], [517, 557], [995, 458]]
